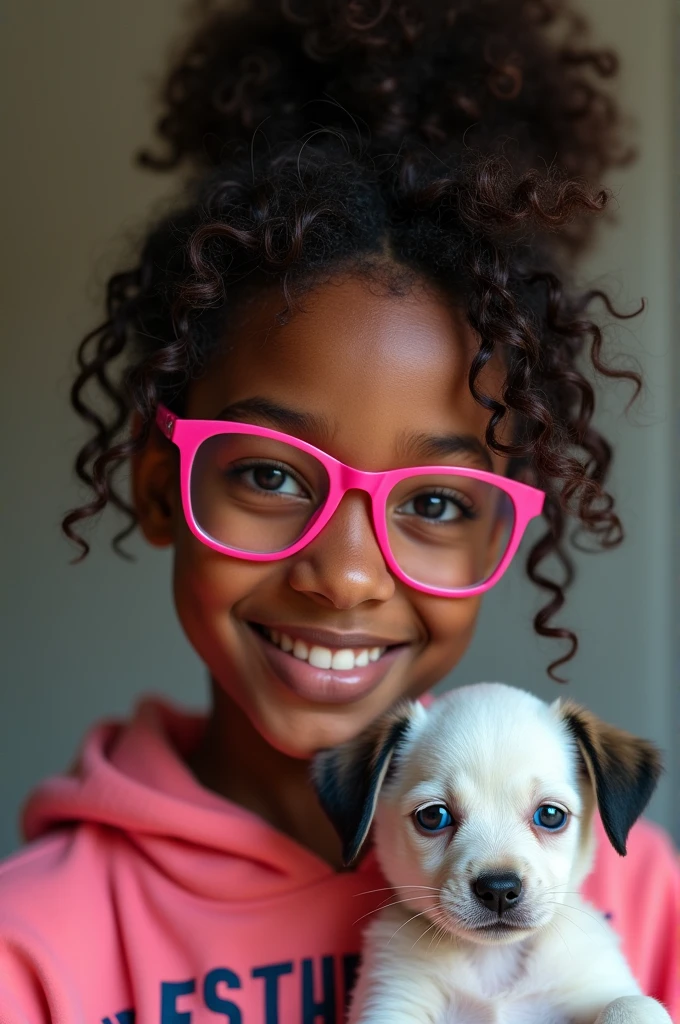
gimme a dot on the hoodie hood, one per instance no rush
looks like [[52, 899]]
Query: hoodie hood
[[133, 777]]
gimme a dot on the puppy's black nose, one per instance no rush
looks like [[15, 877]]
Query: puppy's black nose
[[498, 890]]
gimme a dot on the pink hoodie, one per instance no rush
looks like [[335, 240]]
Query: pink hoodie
[[145, 899]]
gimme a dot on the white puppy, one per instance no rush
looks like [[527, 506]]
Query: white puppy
[[483, 826]]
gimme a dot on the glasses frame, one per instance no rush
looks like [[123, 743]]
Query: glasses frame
[[189, 434]]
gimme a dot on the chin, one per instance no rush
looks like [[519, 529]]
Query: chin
[[300, 732]]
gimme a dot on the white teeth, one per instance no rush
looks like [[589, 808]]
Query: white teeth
[[342, 659], [300, 650], [320, 657]]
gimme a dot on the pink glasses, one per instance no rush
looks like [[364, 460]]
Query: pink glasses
[[261, 495]]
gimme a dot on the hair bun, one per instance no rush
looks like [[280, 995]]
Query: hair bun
[[518, 74]]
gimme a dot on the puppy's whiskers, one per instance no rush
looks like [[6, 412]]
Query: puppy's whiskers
[[386, 904], [441, 931], [553, 924], [569, 921], [396, 888], [408, 921], [556, 889], [422, 935], [567, 906]]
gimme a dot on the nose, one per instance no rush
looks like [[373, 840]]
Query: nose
[[498, 890], [344, 566]]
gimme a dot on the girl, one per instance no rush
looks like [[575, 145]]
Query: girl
[[346, 372]]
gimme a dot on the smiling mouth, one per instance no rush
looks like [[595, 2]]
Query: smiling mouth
[[339, 659], [324, 666]]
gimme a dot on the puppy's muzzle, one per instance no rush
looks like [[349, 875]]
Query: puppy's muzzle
[[498, 891]]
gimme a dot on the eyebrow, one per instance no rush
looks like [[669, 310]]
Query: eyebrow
[[281, 417], [418, 447], [437, 446]]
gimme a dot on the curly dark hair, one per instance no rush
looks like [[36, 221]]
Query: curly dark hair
[[456, 141]]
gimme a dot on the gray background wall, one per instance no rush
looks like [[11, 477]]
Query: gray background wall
[[79, 643]]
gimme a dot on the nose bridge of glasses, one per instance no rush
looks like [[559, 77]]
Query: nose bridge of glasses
[[355, 495], [359, 480]]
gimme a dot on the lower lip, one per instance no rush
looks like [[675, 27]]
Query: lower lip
[[324, 686], [492, 930], [499, 928]]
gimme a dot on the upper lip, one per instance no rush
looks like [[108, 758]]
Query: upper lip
[[332, 638]]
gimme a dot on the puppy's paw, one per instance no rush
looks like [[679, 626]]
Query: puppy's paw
[[634, 1010]]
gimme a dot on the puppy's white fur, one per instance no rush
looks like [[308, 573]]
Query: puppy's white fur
[[492, 754]]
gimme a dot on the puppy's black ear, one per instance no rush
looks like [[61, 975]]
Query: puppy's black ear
[[623, 770], [348, 778]]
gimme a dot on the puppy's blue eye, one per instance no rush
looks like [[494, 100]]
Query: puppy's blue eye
[[552, 818], [434, 818]]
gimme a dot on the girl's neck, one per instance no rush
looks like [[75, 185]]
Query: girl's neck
[[235, 761]]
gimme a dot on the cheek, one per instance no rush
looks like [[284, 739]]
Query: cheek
[[206, 586], [207, 577], [450, 625]]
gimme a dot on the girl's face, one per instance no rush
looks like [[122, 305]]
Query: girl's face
[[367, 377]]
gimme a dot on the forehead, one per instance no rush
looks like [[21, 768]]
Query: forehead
[[494, 746], [367, 365]]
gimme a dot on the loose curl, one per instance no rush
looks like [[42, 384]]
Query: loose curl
[[483, 224]]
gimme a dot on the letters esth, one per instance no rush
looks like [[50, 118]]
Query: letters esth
[[320, 986]]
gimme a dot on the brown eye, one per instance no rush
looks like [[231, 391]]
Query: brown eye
[[434, 818], [438, 507], [269, 478], [430, 506]]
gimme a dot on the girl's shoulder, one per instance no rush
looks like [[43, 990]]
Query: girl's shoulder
[[55, 906], [58, 886]]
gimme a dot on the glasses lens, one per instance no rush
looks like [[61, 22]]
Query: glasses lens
[[255, 494], [449, 531]]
